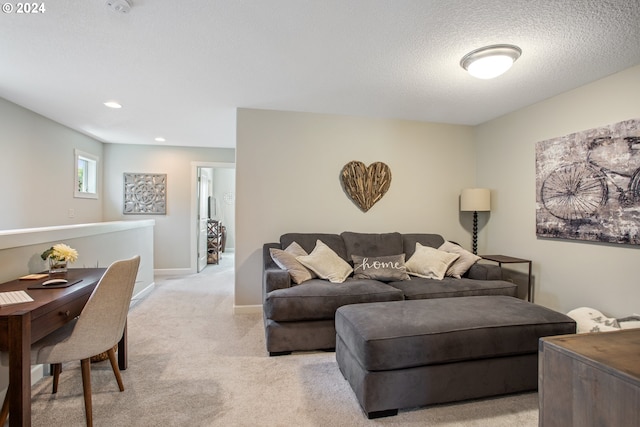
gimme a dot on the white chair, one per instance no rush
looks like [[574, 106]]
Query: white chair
[[98, 329]]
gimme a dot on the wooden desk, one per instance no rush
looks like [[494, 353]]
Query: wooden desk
[[590, 379], [25, 323]]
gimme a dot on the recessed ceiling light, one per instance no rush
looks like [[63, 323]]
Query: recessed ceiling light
[[120, 6], [160, 139], [490, 61], [112, 104]]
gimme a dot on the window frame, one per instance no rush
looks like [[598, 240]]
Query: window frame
[[94, 163]]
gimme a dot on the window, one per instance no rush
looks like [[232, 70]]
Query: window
[[86, 176]]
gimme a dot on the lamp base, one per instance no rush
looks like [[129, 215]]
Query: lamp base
[[475, 233]]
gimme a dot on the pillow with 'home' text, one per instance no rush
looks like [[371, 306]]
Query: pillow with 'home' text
[[386, 268]]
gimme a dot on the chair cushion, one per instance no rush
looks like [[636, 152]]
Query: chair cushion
[[422, 288], [318, 299], [403, 334]]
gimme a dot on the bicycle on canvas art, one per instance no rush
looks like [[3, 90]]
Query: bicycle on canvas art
[[579, 190]]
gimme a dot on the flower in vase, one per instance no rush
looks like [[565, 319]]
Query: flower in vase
[[60, 252]]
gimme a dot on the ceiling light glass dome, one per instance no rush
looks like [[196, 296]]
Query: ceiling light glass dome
[[490, 61]]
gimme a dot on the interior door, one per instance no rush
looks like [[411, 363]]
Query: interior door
[[203, 216]]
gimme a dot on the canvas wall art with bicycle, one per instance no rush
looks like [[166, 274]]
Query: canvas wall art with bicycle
[[588, 185]]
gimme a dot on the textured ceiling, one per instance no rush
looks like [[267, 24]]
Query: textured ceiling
[[181, 68]]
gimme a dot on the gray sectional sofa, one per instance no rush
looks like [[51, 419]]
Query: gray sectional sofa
[[301, 317]]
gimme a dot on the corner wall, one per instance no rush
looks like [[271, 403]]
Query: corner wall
[[173, 231], [288, 180], [569, 274]]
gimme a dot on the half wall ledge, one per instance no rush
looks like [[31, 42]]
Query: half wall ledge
[[33, 236]]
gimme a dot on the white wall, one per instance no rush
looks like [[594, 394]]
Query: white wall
[[288, 180], [37, 171], [173, 231], [224, 183], [569, 274]]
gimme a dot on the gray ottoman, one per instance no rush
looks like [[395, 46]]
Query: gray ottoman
[[403, 354]]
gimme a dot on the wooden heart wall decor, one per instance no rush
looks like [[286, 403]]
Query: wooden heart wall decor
[[365, 184]]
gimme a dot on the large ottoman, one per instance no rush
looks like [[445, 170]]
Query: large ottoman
[[403, 354]]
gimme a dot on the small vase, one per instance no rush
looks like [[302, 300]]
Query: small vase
[[57, 266]]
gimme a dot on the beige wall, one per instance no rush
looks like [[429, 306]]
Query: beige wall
[[569, 274], [173, 231], [37, 171], [288, 180]]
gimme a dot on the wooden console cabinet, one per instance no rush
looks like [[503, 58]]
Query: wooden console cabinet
[[590, 379]]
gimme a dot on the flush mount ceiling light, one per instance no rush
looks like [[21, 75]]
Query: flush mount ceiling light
[[113, 104], [160, 139], [490, 61]]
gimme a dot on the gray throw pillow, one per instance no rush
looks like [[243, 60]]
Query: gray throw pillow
[[385, 268], [286, 260]]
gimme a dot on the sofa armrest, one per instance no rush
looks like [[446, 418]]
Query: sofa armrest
[[273, 277], [267, 261], [484, 272]]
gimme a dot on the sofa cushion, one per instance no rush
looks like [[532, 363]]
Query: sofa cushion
[[385, 268], [429, 262], [286, 260], [409, 242], [405, 334], [463, 263], [421, 288], [372, 244], [318, 299], [326, 263], [308, 242]]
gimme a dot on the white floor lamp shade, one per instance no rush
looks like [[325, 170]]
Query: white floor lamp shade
[[475, 200]]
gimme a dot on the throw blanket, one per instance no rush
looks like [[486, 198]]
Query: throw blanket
[[591, 320]]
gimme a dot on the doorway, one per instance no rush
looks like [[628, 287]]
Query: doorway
[[213, 191]]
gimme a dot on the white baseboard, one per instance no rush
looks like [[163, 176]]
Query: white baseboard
[[142, 294], [172, 272], [247, 309]]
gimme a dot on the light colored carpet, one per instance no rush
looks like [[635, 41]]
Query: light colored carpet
[[193, 363]]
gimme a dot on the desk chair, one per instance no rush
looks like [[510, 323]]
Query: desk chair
[[98, 329]]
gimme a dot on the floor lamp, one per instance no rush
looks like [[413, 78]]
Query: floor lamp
[[475, 200]]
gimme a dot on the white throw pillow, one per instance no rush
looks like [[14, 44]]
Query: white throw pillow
[[326, 263], [462, 264], [429, 262], [286, 260]]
